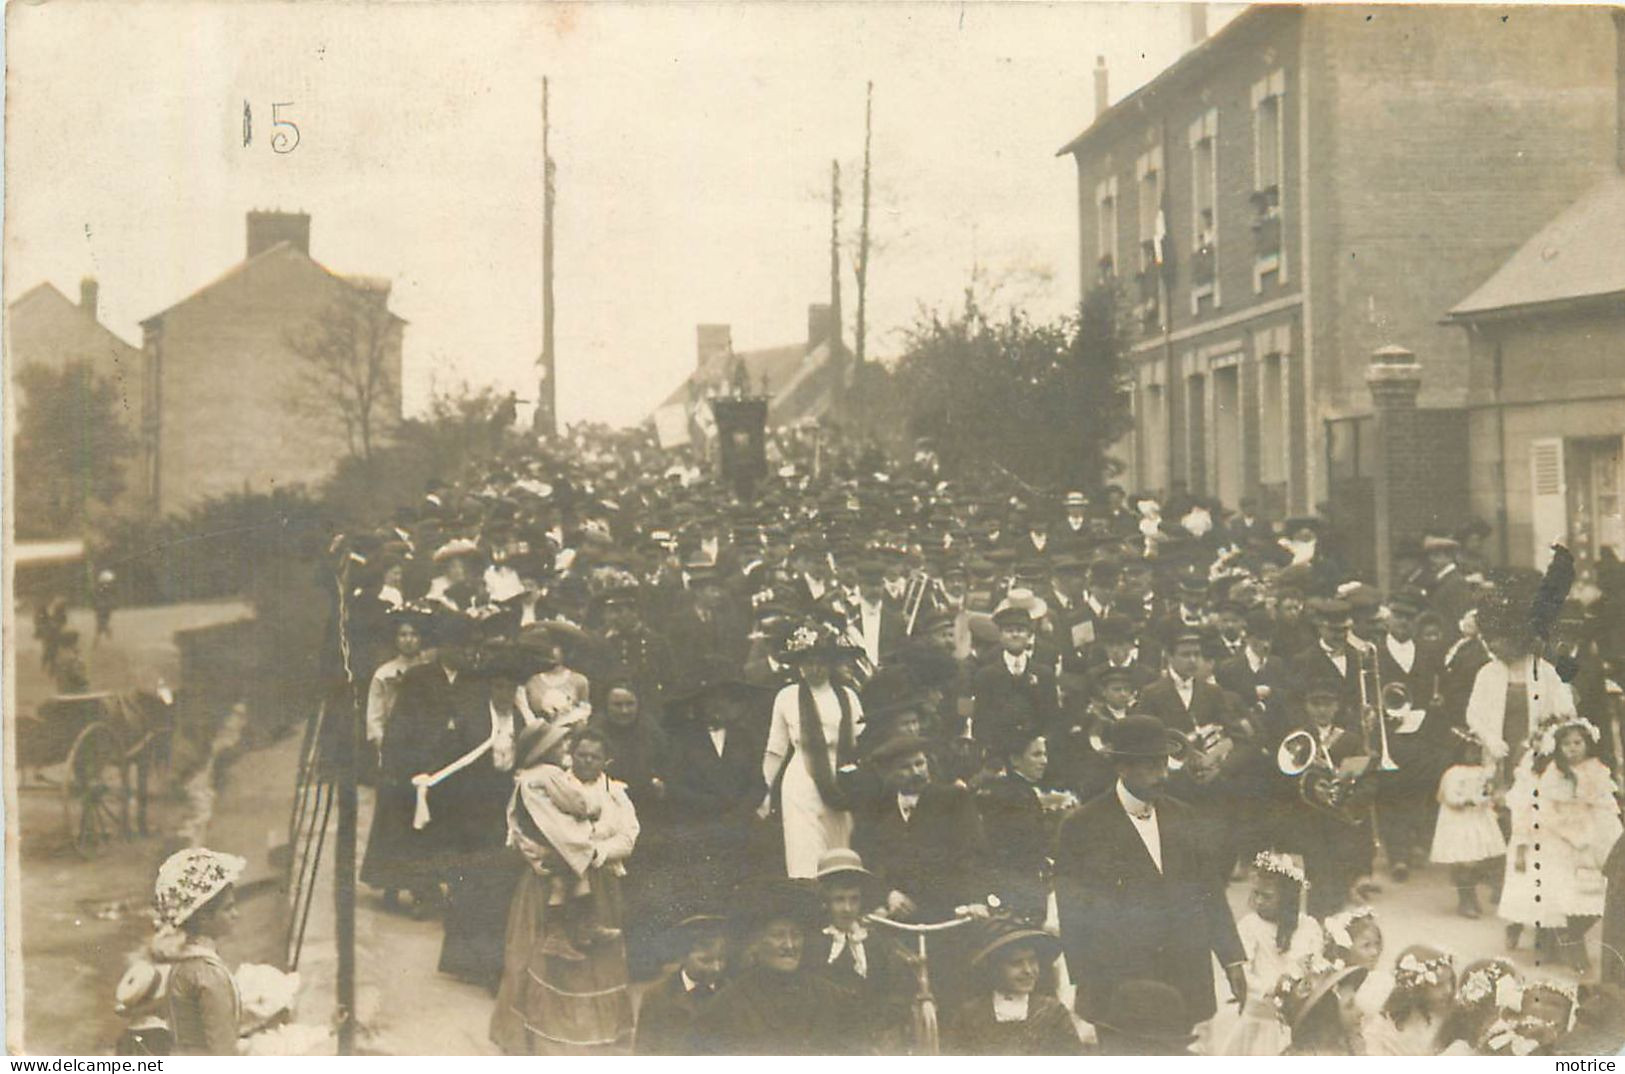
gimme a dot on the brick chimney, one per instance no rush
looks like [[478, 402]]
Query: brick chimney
[[820, 318], [88, 294], [713, 340], [266, 229], [1197, 15], [1102, 94]]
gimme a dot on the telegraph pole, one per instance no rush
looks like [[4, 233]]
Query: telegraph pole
[[545, 422], [835, 347], [858, 348]]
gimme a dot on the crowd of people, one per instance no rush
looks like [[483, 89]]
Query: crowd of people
[[635, 735]]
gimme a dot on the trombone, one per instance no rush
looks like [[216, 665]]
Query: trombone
[[1374, 702]]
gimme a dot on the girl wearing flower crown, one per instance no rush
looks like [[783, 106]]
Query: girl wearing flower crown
[[1414, 1015], [1487, 991], [1277, 936], [1467, 836], [1354, 938], [1573, 821]]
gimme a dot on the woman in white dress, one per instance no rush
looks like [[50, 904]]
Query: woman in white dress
[[812, 740]]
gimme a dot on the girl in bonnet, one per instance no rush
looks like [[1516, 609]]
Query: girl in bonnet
[[196, 905]]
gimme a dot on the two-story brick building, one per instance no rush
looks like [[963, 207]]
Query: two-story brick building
[[220, 372], [1313, 183]]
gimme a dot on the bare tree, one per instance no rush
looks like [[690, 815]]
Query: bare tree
[[348, 356]]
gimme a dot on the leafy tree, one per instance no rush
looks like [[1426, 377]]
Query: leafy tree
[[71, 449], [463, 426], [1044, 401], [347, 356]]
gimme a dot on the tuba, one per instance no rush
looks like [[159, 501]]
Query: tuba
[[1320, 783]]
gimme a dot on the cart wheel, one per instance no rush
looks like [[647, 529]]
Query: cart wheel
[[95, 790]]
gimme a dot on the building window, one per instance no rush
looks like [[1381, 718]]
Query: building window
[[1269, 168], [1106, 225], [1204, 216], [1272, 419], [1152, 234]]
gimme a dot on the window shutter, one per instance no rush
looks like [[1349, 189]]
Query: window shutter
[[1548, 493]]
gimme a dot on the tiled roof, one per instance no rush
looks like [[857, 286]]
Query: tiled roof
[[1580, 254]]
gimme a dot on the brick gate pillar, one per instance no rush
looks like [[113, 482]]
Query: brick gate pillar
[[1394, 377]]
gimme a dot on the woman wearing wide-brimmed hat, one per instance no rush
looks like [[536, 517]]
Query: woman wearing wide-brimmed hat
[[1011, 1014], [776, 1005], [564, 978], [811, 739]]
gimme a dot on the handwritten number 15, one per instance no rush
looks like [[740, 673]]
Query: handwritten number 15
[[285, 133]]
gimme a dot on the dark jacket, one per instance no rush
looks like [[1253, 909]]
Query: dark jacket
[[1208, 705], [1048, 1029], [1121, 919], [937, 857], [762, 1012], [1005, 702], [877, 1003], [1018, 840], [666, 1016]]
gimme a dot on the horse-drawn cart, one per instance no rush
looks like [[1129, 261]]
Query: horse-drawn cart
[[105, 745]]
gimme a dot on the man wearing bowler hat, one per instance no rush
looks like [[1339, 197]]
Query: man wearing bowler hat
[[1139, 896]]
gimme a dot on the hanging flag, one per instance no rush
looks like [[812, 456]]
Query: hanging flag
[[671, 426]]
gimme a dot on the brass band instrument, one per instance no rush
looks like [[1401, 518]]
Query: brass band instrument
[[1204, 750], [1321, 783], [921, 587]]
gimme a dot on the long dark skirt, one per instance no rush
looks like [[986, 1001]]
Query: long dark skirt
[[553, 1006], [479, 890], [399, 857]]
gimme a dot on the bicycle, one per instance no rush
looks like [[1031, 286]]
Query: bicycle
[[924, 1028]]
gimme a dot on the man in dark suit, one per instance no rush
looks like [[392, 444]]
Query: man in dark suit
[[922, 839], [1449, 594], [874, 622], [1017, 687], [1180, 700], [1138, 895], [668, 1009], [1261, 679], [1331, 658], [715, 780], [1405, 798]]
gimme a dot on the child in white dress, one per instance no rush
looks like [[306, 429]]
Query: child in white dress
[[1578, 820], [1277, 937], [1354, 938], [1467, 837]]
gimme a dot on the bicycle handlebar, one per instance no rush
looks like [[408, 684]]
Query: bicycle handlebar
[[904, 926]]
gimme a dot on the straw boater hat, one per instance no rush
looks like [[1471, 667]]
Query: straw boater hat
[[188, 879], [1020, 606], [843, 864]]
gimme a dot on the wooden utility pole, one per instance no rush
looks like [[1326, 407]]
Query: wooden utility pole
[[858, 348], [545, 422], [836, 349]]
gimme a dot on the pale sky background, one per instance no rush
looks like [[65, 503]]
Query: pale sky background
[[693, 146]]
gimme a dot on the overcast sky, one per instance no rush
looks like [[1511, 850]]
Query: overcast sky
[[693, 146]]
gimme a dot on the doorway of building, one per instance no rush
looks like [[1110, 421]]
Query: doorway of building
[[1596, 497]]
